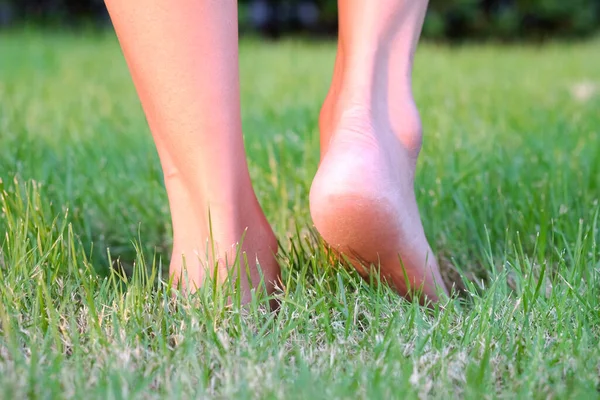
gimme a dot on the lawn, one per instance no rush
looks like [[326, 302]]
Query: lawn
[[508, 185]]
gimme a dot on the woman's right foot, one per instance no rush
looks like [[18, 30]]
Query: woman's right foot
[[362, 199]]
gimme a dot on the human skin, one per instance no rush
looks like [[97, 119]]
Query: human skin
[[183, 58], [362, 199]]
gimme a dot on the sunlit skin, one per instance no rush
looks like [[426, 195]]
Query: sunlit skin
[[362, 199], [183, 58]]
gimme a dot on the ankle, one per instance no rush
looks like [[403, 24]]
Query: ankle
[[351, 112], [208, 191]]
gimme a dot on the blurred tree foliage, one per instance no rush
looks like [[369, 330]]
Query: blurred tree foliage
[[52, 12], [446, 19], [511, 19]]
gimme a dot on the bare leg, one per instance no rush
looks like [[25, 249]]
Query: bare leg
[[362, 198], [183, 57]]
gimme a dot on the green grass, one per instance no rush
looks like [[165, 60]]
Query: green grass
[[507, 184]]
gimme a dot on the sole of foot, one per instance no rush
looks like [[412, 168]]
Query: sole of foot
[[363, 205]]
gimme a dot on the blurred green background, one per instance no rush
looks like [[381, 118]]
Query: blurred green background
[[447, 19]]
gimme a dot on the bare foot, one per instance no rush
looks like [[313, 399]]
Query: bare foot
[[362, 199], [235, 235]]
